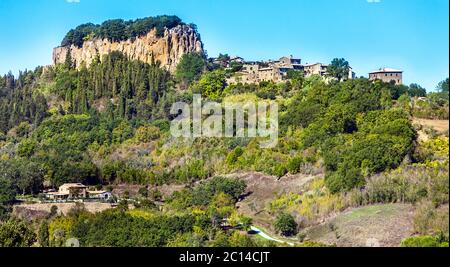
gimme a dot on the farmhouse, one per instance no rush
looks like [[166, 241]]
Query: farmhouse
[[387, 75], [76, 191]]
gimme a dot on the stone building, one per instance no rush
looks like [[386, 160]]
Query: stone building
[[315, 69], [387, 75], [77, 191], [276, 71]]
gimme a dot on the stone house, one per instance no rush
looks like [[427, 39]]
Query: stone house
[[76, 191], [387, 75]]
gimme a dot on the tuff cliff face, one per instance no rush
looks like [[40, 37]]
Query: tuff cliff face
[[167, 49]]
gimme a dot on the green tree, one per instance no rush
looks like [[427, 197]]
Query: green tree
[[417, 90], [297, 77], [16, 234], [211, 85], [30, 177], [190, 68], [339, 69], [286, 225], [386, 99], [26, 148], [68, 63], [7, 195], [443, 86], [43, 235], [404, 101]]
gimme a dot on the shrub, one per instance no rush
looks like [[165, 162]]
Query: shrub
[[423, 241], [146, 134], [344, 179], [191, 171], [143, 192], [428, 220], [314, 204], [234, 155], [295, 165], [240, 240], [410, 185], [279, 170]]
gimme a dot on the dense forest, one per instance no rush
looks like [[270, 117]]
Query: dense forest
[[108, 124], [136, 88], [19, 102]]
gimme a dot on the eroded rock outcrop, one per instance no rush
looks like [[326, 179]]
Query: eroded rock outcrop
[[167, 49]]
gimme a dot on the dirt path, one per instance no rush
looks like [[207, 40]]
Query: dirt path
[[267, 237]]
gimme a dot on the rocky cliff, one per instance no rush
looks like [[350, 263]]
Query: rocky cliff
[[167, 49]]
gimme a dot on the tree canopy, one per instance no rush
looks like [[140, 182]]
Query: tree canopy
[[119, 30], [190, 68], [339, 69], [443, 86]]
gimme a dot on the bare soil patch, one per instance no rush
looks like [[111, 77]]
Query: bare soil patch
[[440, 126], [376, 225], [261, 189]]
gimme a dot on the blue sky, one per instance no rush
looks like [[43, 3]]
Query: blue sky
[[412, 35]]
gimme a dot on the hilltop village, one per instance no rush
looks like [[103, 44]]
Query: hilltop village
[[249, 72]]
